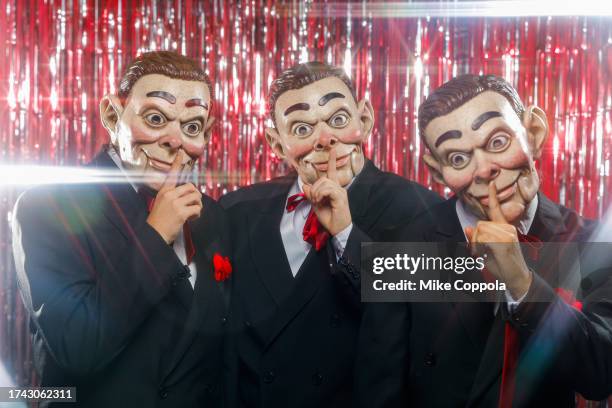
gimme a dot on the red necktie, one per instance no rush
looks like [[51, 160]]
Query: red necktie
[[189, 247], [313, 233], [511, 338]]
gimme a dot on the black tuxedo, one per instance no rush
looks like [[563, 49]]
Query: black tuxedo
[[112, 312], [293, 339], [451, 354]]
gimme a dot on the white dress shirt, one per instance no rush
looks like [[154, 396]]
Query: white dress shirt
[[179, 243], [292, 225], [468, 219]]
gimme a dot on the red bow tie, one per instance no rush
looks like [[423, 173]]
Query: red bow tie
[[189, 247], [313, 233]]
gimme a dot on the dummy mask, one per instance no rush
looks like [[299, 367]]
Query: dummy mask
[[477, 131], [314, 110], [162, 107]]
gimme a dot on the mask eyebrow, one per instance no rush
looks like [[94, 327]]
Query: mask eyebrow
[[326, 98], [451, 134], [164, 95], [196, 102], [297, 106], [483, 118]]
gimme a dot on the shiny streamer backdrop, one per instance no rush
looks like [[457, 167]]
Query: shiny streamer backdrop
[[60, 57]]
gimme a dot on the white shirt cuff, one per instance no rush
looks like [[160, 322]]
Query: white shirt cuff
[[340, 240], [513, 304]]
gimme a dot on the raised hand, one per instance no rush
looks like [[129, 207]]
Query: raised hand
[[497, 240], [329, 199], [174, 205]]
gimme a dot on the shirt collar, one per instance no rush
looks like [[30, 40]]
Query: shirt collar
[[468, 219]]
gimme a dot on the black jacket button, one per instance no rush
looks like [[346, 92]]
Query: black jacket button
[[163, 393], [269, 377], [334, 321], [430, 360], [185, 273], [223, 320], [317, 379]]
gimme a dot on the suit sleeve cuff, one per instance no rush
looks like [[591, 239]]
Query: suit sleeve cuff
[[159, 256], [534, 305], [340, 240], [511, 302]]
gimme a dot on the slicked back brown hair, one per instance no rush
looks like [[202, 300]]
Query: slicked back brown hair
[[302, 75], [167, 63], [460, 90]]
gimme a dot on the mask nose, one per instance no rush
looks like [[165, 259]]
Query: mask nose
[[325, 140], [486, 170], [170, 141]]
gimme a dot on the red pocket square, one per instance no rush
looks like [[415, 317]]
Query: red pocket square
[[223, 267], [569, 298]]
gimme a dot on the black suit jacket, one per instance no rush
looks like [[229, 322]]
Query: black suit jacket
[[451, 354], [112, 312], [294, 339]]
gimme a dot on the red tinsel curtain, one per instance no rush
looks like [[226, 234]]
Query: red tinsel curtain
[[60, 57]]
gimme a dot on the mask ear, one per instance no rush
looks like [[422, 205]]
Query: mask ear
[[366, 113], [434, 168], [208, 129], [110, 112], [536, 125], [274, 141]]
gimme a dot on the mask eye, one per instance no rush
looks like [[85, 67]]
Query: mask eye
[[339, 120], [498, 143], [458, 160], [192, 128], [302, 129], [155, 119]]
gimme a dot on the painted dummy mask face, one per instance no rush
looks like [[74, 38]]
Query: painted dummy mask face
[[160, 117], [484, 140], [312, 120]]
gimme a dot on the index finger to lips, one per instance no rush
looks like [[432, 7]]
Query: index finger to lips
[[332, 174], [173, 174], [495, 212]]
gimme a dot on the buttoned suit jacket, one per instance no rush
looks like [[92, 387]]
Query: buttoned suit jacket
[[111, 310], [451, 353], [294, 339]]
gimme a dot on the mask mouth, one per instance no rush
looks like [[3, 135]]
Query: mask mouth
[[321, 161], [340, 161], [162, 165], [502, 194]]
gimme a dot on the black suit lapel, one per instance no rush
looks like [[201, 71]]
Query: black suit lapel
[[548, 224], [293, 294], [307, 283], [124, 208], [298, 291], [359, 193], [266, 242], [448, 227]]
